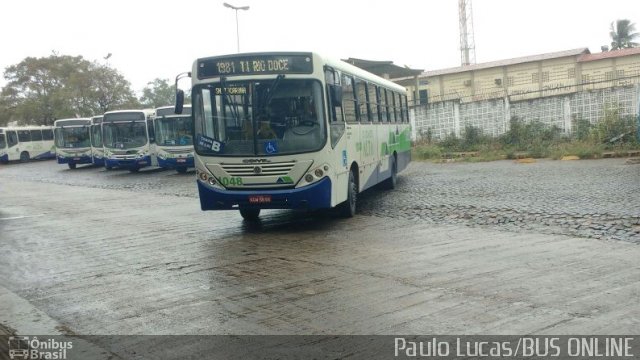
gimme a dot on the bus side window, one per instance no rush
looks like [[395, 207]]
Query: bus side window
[[12, 138], [47, 134], [363, 103], [349, 104], [332, 78], [373, 102], [24, 135], [393, 102], [36, 135]]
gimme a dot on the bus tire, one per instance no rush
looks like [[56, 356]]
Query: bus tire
[[181, 169], [71, 166], [348, 208], [134, 169], [108, 167], [24, 156], [391, 182], [250, 214]]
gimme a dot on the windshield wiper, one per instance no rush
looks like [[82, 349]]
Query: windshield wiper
[[269, 94]]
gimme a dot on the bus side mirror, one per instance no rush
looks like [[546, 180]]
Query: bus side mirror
[[336, 95], [179, 101]]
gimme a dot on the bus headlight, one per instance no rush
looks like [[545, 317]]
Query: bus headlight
[[208, 179], [316, 174]]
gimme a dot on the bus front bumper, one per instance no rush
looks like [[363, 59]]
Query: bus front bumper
[[136, 163], [82, 159], [173, 163], [314, 196], [4, 158]]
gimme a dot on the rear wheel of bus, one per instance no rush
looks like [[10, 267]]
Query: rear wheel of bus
[[250, 214], [392, 181]]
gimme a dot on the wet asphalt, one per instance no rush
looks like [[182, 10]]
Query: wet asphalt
[[499, 248]]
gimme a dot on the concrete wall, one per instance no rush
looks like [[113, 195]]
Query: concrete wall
[[492, 115]]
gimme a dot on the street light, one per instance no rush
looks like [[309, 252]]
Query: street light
[[236, 8]]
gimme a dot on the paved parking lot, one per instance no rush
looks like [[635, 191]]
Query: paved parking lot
[[497, 248]]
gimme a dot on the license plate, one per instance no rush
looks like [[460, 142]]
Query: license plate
[[182, 160], [259, 199], [76, 159]]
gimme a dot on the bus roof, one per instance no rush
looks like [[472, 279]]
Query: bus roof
[[72, 122], [170, 111], [29, 127]]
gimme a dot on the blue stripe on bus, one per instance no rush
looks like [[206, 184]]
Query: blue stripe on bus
[[127, 164], [315, 196], [84, 159], [173, 163]]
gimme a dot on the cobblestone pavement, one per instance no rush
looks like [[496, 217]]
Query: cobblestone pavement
[[596, 199]]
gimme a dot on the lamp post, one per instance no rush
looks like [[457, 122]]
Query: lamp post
[[236, 8]]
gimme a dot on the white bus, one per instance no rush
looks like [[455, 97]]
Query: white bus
[[128, 138], [97, 149], [26, 142], [73, 141], [293, 130], [174, 138]]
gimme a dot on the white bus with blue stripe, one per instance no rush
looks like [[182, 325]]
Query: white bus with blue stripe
[[97, 148], [293, 131], [26, 142], [174, 138], [73, 141], [128, 138]]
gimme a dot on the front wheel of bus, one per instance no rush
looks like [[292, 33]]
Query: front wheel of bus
[[71, 166], [348, 208], [250, 214], [24, 156], [134, 169], [181, 169]]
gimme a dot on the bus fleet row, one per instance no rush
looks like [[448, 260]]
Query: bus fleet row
[[129, 139]]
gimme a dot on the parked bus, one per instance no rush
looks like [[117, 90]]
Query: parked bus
[[73, 141], [293, 130], [97, 149], [174, 138], [26, 142], [128, 138]]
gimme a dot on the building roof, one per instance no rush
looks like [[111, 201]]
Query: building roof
[[382, 68], [505, 62], [608, 54]]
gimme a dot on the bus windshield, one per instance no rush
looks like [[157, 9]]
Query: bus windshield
[[124, 135], [265, 117], [96, 136], [73, 137], [3, 142], [174, 131]]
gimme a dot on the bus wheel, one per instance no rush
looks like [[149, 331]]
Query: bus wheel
[[392, 181], [108, 167], [182, 169], [250, 214], [348, 208], [24, 156], [134, 169], [71, 166]]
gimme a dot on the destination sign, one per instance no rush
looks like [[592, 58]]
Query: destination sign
[[255, 65]]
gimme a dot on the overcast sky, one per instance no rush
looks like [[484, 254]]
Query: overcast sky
[[159, 39]]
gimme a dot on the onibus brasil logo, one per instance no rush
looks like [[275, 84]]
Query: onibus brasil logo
[[24, 347]]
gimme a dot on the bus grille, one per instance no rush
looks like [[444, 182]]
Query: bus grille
[[272, 169]]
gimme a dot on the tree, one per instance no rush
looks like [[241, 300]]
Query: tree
[[40, 90], [622, 34], [157, 93]]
